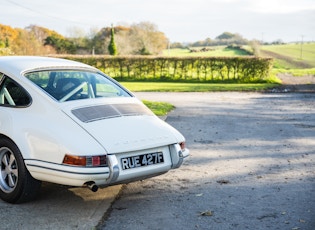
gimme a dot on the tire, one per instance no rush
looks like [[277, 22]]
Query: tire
[[16, 183]]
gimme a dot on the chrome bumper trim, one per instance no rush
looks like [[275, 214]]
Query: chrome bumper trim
[[113, 168], [178, 155]]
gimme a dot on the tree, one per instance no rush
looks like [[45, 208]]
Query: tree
[[228, 38], [112, 45], [7, 36], [100, 40], [178, 45], [61, 44], [40, 33], [255, 45], [225, 35], [146, 38], [26, 43], [142, 38]]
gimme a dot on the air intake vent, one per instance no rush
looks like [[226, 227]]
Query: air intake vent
[[99, 112]]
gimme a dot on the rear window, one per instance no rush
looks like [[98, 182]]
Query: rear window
[[66, 85]]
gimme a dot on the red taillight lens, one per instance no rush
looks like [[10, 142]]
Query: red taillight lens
[[182, 145], [89, 161], [98, 160]]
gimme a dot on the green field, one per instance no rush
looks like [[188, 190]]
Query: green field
[[291, 56], [295, 58], [215, 51]]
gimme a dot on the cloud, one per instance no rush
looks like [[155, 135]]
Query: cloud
[[180, 20], [280, 6]]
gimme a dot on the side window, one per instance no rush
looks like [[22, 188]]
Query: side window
[[12, 94]]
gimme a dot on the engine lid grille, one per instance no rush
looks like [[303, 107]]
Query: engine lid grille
[[99, 112]]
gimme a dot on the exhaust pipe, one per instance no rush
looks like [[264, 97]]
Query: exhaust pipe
[[92, 186]]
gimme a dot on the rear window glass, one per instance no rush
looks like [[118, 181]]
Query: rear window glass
[[65, 85]]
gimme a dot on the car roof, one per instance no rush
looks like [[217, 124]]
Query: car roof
[[19, 64]]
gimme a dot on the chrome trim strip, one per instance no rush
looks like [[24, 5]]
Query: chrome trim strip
[[65, 171]]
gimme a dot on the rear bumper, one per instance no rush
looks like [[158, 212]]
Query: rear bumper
[[67, 175], [175, 157], [113, 174]]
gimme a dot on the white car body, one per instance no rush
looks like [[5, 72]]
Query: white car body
[[119, 129]]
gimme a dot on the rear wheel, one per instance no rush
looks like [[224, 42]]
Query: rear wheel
[[16, 183]]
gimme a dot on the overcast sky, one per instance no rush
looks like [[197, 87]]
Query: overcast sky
[[180, 20]]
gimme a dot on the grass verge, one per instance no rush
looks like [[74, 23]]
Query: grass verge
[[194, 87], [159, 108], [295, 72]]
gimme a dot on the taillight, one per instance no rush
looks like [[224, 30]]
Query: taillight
[[74, 160], [182, 145], [87, 161]]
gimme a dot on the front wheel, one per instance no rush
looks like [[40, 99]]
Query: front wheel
[[16, 183]]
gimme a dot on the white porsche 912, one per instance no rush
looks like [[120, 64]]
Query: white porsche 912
[[68, 123]]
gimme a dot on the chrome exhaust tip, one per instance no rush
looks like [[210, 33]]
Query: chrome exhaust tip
[[92, 186]]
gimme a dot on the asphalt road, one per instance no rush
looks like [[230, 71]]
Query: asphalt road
[[252, 166], [59, 207]]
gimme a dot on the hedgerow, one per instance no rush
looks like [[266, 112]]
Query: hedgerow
[[199, 69]]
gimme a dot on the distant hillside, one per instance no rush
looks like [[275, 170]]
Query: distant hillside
[[291, 56], [206, 51], [286, 56]]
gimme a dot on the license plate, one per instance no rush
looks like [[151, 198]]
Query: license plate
[[142, 160]]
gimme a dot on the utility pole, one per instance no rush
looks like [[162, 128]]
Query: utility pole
[[301, 52]]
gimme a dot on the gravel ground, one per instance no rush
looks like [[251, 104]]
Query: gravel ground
[[288, 79], [252, 166], [304, 84]]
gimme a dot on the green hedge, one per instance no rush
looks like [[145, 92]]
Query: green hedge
[[200, 69]]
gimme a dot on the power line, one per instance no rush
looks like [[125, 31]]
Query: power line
[[44, 13]]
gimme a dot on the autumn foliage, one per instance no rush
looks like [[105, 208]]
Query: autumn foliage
[[137, 39]]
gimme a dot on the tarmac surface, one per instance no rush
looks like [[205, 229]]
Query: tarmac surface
[[59, 207], [62, 207], [251, 166], [291, 84]]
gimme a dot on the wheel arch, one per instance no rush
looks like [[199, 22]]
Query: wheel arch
[[3, 136], [16, 183], [18, 145]]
